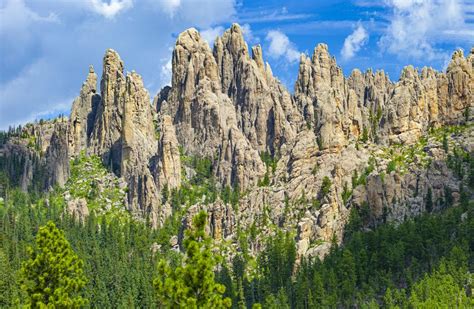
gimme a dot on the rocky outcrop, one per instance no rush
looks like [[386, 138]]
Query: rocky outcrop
[[460, 96], [321, 96], [265, 111], [221, 224], [106, 133], [205, 118], [57, 157], [301, 162], [169, 161], [369, 106], [83, 113], [139, 146], [77, 208]]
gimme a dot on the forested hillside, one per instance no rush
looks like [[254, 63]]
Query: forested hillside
[[422, 262]]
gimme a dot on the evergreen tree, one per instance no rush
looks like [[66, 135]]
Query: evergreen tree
[[53, 275], [429, 200], [7, 282], [439, 290], [347, 277], [192, 284], [325, 186]]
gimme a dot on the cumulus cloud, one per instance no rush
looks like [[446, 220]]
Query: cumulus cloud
[[354, 42], [210, 34], [16, 17], [281, 46], [248, 34], [169, 6], [418, 26], [47, 46], [110, 9]]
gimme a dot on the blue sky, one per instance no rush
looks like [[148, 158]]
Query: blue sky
[[46, 46]]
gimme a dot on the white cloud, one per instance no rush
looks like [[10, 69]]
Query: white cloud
[[280, 46], [49, 57], [354, 42], [261, 15], [210, 34], [418, 26], [248, 34], [169, 6], [16, 17], [110, 9]]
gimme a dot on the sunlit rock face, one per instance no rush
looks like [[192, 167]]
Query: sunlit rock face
[[292, 157]]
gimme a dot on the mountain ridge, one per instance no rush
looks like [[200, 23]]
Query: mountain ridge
[[291, 156]]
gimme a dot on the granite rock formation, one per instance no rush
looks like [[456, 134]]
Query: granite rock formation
[[83, 113], [332, 143], [107, 129]]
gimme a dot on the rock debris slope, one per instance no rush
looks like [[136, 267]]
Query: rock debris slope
[[300, 162]]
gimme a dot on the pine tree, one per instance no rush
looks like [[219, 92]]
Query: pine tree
[[439, 290], [347, 276], [429, 200], [53, 275], [7, 282], [192, 284]]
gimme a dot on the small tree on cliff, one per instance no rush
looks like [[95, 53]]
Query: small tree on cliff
[[53, 275], [192, 284]]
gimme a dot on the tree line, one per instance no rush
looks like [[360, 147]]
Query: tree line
[[48, 258]]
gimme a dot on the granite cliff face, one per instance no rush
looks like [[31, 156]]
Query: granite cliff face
[[83, 113], [299, 161], [340, 109], [205, 118], [106, 134]]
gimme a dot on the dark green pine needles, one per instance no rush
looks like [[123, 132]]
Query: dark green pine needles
[[192, 285], [53, 275]]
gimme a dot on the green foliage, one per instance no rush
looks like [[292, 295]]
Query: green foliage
[[231, 196], [319, 141], [265, 182], [355, 179], [459, 161], [53, 275], [157, 129], [315, 204], [445, 143], [8, 288], [92, 181], [383, 266], [270, 164], [203, 169], [277, 261], [365, 135], [119, 259], [346, 193], [448, 196], [429, 200], [4, 136], [440, 289], [325, 186], [391, 166], [192, 284], [269, 160]]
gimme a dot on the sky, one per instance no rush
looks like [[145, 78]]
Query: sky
[[46, 46]]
